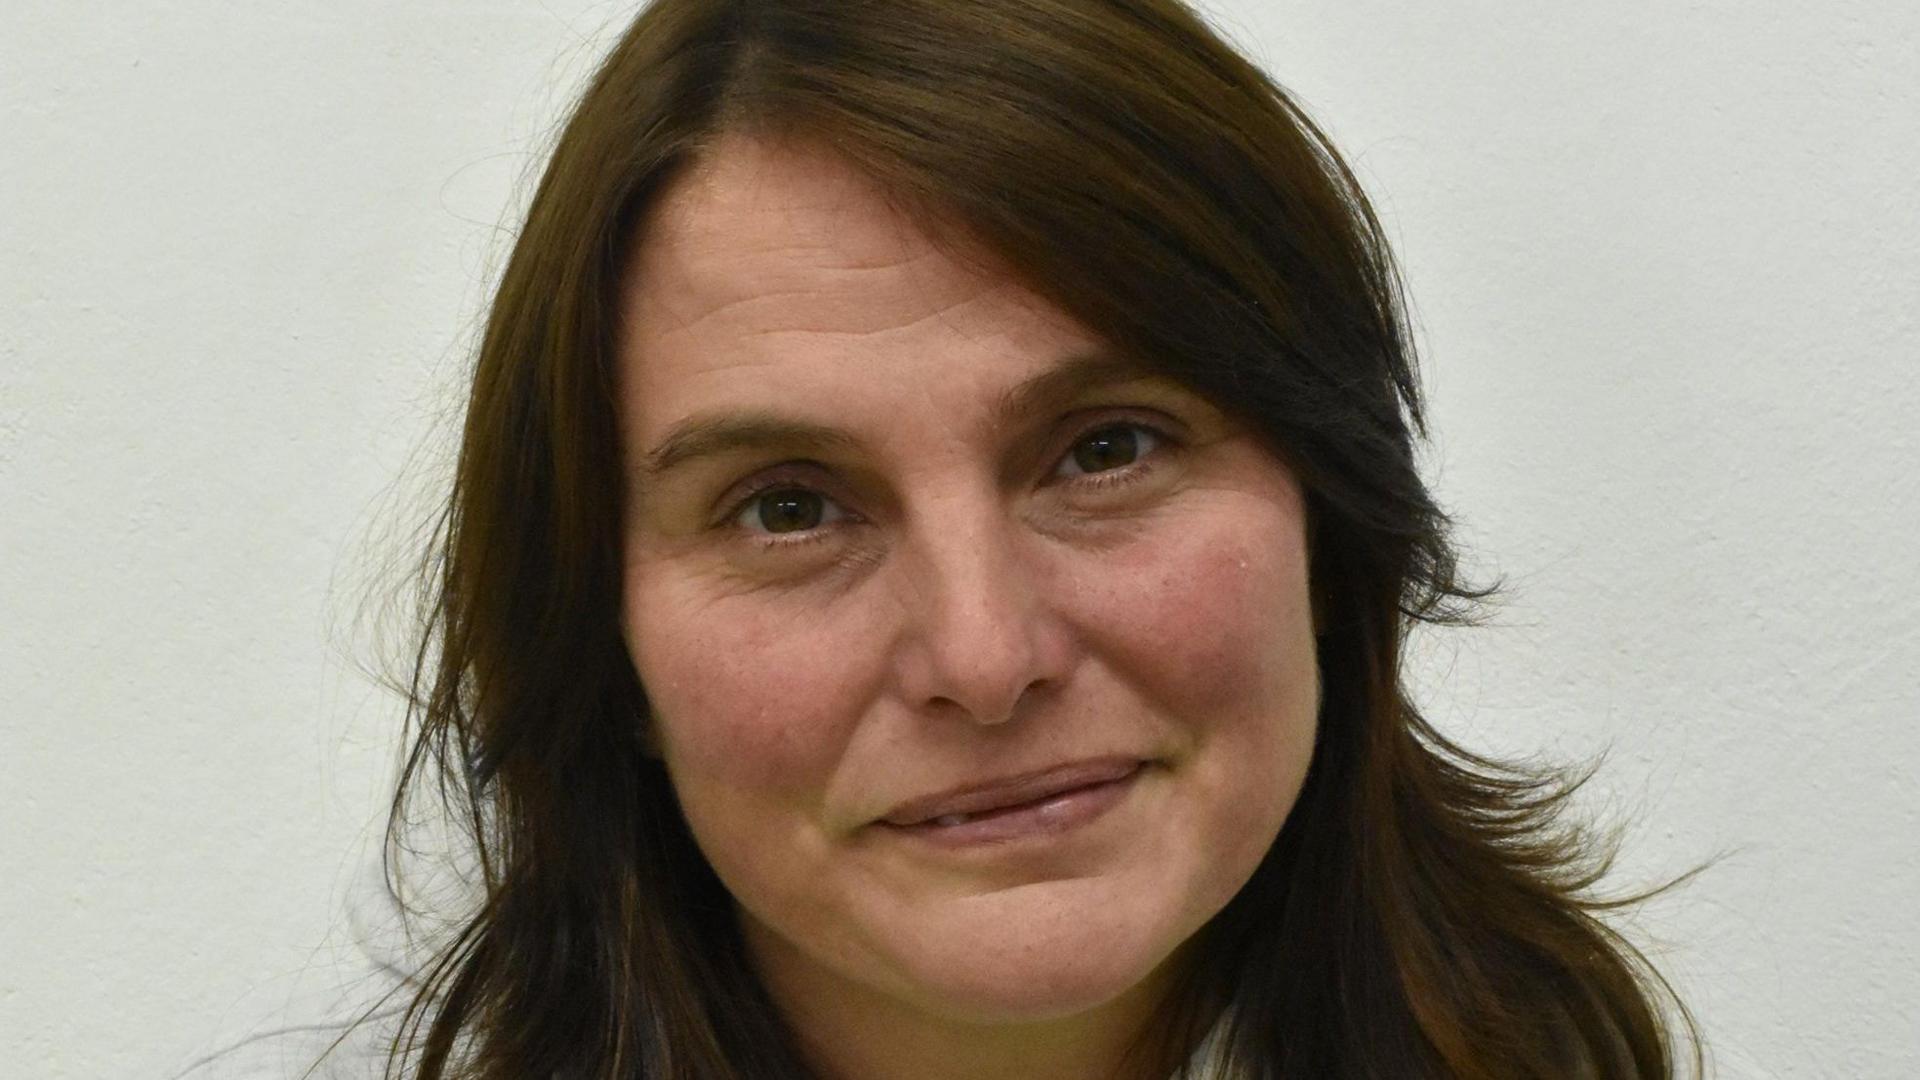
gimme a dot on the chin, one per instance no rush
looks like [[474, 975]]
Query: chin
[[1021, 979]]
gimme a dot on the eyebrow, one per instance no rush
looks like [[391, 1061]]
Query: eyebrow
[[703, 436]]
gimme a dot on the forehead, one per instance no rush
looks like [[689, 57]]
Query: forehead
[[751, 215], [767, 261]]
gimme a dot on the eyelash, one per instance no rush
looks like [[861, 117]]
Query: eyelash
[[1104, 480]]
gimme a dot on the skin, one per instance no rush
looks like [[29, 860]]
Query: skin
[[964, 604]]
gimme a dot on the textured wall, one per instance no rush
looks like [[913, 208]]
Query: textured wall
[[1663, 261]]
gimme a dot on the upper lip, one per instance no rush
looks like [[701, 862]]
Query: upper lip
[[976, 797]]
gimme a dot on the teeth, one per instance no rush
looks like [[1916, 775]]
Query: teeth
[[953, 819]]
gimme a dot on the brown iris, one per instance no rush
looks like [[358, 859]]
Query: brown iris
[[797, 510], [790, 510], [1107, 448]]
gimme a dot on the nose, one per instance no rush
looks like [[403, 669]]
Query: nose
[[981, 630]]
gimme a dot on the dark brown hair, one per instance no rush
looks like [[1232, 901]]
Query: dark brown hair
[[1425, 912]]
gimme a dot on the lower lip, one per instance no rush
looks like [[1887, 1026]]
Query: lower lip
[[1051, 816]]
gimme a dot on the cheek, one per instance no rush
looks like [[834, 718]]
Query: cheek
[[747, 701], [1214, 631], [1213, 621]]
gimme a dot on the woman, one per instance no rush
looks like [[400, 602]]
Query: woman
[[924, 585]]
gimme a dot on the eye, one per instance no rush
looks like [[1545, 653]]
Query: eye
[[1104, 451], [782, 512]]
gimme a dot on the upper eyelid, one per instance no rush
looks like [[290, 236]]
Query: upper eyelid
[[779, 477]]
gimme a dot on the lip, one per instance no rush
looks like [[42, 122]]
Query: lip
[[996, 794]]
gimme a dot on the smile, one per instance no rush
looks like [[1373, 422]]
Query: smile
[[1039, 819]]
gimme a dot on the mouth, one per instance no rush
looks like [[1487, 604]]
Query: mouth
[[1012, 794], [1044, 818]]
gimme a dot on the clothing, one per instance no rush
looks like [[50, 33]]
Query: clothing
[[1205, 1064]]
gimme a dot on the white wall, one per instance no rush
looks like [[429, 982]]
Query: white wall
[[1663, 257]]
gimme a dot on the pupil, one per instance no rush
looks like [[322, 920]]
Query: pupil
[[1108, 448], [786, 511]]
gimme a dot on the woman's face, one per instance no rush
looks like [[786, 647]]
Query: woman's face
[[891, 533]]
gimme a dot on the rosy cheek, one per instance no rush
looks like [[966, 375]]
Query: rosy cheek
[[744, 707], [1233, 671], [1211, 620]]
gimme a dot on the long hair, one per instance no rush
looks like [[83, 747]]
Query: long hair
[[1424, 912]]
